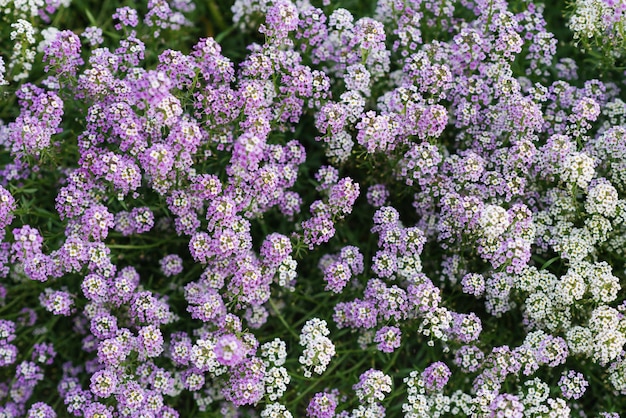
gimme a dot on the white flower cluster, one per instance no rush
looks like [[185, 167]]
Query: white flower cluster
[[602, 199], [22, 14], [435, 324], [274, 352], [244, 10], [578, 169], [22, 8], [286, 274], [617, 375], [23, 56], [48, 35], [591, 18], [276, 381], [339, 147], [372, 410], [275, 410], [203, 357], [372, 386], [615, 112], [421, 405], [554, 408], [318, 348], [493, 221], [3, 81], [608, 330]]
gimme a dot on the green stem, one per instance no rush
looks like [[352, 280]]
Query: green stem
[[282, 319], [131, 247], [328, 372]]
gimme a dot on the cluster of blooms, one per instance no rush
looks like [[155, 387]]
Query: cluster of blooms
[[339, 268], [600, 21], [151, 208], [26, 39], [372, 386], [318, 348]]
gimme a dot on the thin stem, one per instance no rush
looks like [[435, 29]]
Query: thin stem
[[282, 319]]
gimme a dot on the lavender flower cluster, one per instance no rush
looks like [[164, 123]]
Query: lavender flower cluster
[[415, 212]]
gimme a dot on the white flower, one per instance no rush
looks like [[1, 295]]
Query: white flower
[[578, 169], [494, 221], [602, 199]]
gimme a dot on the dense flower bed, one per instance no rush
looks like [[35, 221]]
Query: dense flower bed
[[279, 208]]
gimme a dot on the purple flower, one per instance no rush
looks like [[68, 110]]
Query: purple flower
[[96, 222], [469, 358], [353, 257], [142, 219], [7, 330], [29, 371], [113, 351], [229, 350], [63, 54], [7, 206], [103, 383], [171, 265], [275, 249], [76, 400], [126, 16], [180, 349], [58, 302], [104, 325], [150, 341], [96, 409], [336, 275], [8, 354], [372, 386], [473, 284], [322, 405], [131, 396], [200, 247], [506, 405], [573, 384], [318, 230], [377, 195], [436, 376], [41, 410], [28, 240], [43, 353], [356, 314], [245, 386], [388, 339]]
